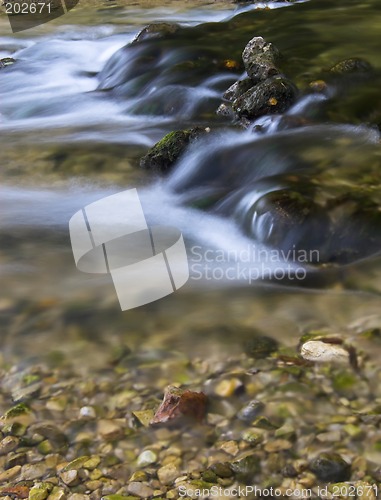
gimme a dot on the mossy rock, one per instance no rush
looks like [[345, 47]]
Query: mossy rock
[[164, 154], [274, 95], [156, 30]]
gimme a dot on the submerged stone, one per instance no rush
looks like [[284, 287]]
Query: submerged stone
[[261, 346], [164, 154], [251, 411], [352, 65], [246, 468], [287, 220], [274, 95], [179, 404], [331, 467]]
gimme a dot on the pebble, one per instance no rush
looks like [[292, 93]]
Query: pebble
[[330, 467], [109, 430], [251, 411], [33, 471], [227, 388], [322, 352], [148, 457], [168, 474], [8, 444], [69, 477], [140, 489], [230, 447], [10, 473], [87, 412], [40, 491]]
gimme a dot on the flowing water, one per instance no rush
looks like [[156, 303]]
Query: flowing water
[[81, 105]]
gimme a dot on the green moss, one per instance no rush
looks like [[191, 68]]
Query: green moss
[[17, 411], [164, 154], [30, 379]]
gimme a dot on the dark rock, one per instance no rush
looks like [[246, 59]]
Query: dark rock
[[352, 65], [246, 468], [331, 467], [238, 88], [287, 219], [222, 469], [261, 347], [51, 432], [164, 154], [275, 95], [6, 61], [259, 59], [251, 411], [156, 30]]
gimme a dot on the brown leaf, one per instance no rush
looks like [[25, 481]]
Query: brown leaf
[[180, 403]]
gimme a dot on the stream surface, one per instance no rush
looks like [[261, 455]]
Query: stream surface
[[81, 106]]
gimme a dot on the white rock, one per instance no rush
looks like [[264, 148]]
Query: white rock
[[322, 352], [145, 458]]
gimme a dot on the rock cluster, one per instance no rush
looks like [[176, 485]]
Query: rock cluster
[[265, 90]]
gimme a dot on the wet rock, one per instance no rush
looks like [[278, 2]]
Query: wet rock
[[179, 404], [261, 346], [238, 88], [228, 387], [259, 59], [251, 411], [109, 430], [274, 95], [352, 65], [33, 471], [8, 444], [76, 464], [6, 61], [246, 468], [69, 477], [57, 494], [17, 412], [51, 432], [331, 467], [87, 412], [147, 457], [140, 489], [15, 459], [10, 474], [222, 469], [163, 155], [143, 417], [287, 219], [225, 110], [156, 30], [323, 352], [40, 491], [168, 473]]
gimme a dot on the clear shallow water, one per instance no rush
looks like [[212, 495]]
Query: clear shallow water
[[66, 143]]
